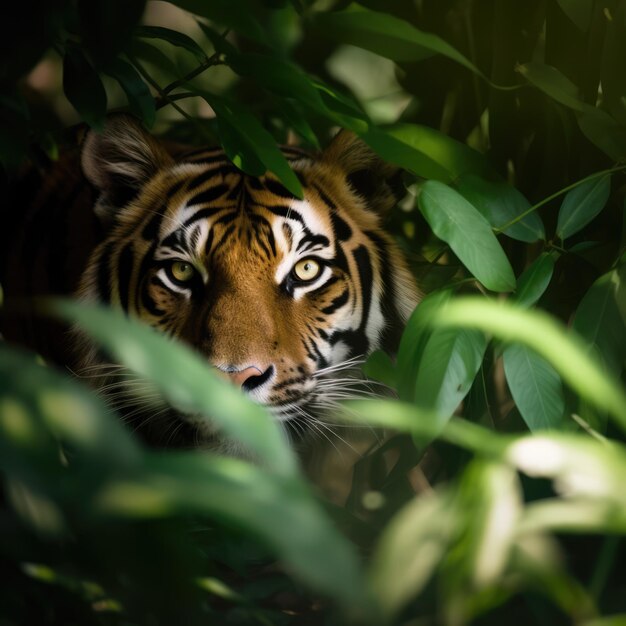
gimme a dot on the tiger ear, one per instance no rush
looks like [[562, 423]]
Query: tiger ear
[[379, 183], [119, 161]]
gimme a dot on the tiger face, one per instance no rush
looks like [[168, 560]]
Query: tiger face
[[279, 294]]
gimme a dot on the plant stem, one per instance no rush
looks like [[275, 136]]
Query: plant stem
[[556, 194]]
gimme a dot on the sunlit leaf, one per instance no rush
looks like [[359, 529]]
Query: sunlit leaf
[[185, 380], [455, 221], [386, 35], [604, 132], [581, 204], [411, 548], [379, 366], [500, 204], [278, 509], [535, 279], [535, 387], [564, 350], [427, 152], [83, 87]]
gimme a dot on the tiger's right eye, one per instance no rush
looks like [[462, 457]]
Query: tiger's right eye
[[181, 271]]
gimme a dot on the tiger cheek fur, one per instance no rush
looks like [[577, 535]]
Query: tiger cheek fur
[[279, 294]]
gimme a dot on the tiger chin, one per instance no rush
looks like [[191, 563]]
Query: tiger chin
[[282, 296]]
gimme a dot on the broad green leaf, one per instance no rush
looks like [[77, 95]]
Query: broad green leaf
[[564, 350], [579, 11], [185, 380], [139, 97], [379, 366], [455, 221], [604, 132], [151, 54], [447, 368], [612, 76], [411, 548], [491, 497], [173, 37], [253, 138], [553, 83], [37, 402], [535, 387], [291, 114], [427, 152], [501, 203], [386, 35], [581, 204], [600, 323], [83, 87], [414, 340], [279, 510], [534, 280]]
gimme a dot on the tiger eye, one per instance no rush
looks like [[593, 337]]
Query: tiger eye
[[182, 271], [307, 270]]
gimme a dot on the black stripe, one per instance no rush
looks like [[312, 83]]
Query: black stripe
[[324, 197], [279, 189], [342, 230], [337, 303], [312, 240], [201, 179], [208, 195], [174, 189], [151, 229], [283, 211]]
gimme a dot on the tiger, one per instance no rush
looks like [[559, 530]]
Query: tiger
[[281, 295]]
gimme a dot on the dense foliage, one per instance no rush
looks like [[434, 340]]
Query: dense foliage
[[510, 120]]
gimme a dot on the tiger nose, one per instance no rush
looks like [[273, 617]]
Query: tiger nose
[[251, 377]]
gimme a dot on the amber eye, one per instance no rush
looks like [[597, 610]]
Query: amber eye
[[181, 271], [307, 270]]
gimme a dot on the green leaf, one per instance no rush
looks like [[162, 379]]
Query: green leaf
[[500, 203], [600, 323], [455, 221], [386, 35], [150, 53], [411, 548], [279, 510], [447, 368], [563, 349], [553, 83], [37, 402], [604, 132], [185, 380], [139, 97], [579, 11], [173, 37], [414, 340], [581, 204], [427, 152], [534, 280], [535, 387], [83, 87], [379, 366], [249, 137]]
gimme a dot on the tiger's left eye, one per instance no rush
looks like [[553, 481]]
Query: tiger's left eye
[[307, 270], [181, 271]]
